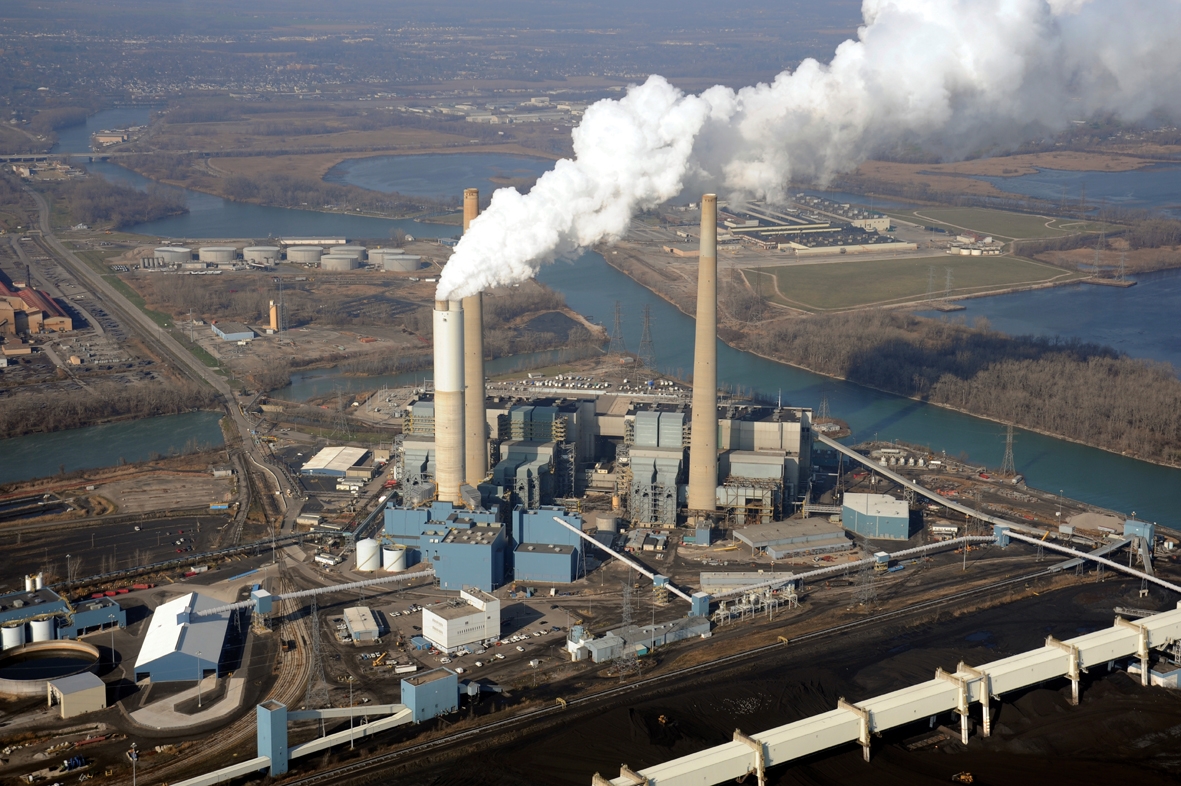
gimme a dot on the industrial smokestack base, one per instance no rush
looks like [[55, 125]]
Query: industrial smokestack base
[[475, 417], [703, 447], [449, 428]]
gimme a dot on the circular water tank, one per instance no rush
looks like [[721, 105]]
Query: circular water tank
[[393, 558], [42, 630], [174, 254], [218, 255], [12, 635], [267, 255], [352, 251], [339, 262], [400, 263], [976, 252], [368, 555], [606, 522], [304, 255]]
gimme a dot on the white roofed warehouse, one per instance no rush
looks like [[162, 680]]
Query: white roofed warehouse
[[334, 462], [180, 645]]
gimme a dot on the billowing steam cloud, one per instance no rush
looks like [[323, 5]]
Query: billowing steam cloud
[[955, 76]]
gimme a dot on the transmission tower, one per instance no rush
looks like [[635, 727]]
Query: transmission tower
[[617, 347], [823, 413], [647, 354], [317, 690], [1008, 466], [867, 591], [947, 292], [340, 419], [627, 661]]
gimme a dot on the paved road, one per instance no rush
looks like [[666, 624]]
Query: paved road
[[268, 478]]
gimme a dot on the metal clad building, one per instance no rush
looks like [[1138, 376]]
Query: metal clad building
[[545, 563], [361, 624], [877, 516], [431, 694], [180, 646], [78, 694], [232, 331], [334, 462]]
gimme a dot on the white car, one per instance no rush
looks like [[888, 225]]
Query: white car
[[444, 660], [460, 670], [499, 656], [520, 648], [479, 663]]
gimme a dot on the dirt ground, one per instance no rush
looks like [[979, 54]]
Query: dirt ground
[[166, 491]]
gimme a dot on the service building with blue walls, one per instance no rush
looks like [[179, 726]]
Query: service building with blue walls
[[431, 694], [876, 516]]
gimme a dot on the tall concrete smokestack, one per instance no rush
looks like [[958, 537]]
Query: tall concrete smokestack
[[475, 432], [703, 449], [449, 431]]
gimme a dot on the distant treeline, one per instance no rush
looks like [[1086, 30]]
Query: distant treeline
[[98, 201], [1143, 233], [1081, 391], [100, 402]]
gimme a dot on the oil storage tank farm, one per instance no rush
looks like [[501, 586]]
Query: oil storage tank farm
[[174, 255], [394, 260], [217, 255], [368, 555], [358, 252], [304, 255]]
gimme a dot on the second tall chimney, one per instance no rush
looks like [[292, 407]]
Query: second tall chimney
[[449, 431], [703, 447], [475, 419]]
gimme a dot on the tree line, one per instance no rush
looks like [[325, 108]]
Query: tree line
[[1074, 389], [98, 201], [98, 402]]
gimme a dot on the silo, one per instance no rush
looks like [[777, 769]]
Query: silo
[[30, 584], [174, 255], [12, 635], [354, 251], [339, 262], [393, 558], [304, 255], [401, 263], [39, 581], [606, 522], [217, 255], [266, 255], [43, 630], [368, 555]]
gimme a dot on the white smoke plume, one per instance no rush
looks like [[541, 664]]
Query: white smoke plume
[[954, 76]]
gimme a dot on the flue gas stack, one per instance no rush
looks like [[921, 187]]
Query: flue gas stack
[[475, 419], [449, 416], [703, 448]]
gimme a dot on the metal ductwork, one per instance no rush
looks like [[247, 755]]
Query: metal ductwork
[[476, 428], [449, 390], [703, 449]]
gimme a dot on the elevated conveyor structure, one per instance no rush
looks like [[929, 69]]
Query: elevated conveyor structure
[[630, 563], [948, 691], [950, 504], [246, 604]]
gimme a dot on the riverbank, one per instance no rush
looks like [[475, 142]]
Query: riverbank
[[754, 338]]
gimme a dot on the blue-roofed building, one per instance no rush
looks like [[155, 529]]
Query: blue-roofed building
[[876, 516], [545, 563], [472, 555]]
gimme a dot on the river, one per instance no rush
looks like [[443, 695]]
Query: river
[[40, 455], [591, 287], [1153, 187]]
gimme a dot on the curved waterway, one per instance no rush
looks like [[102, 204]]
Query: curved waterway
[[592, 287], [129, 441], [1153, 187], [439, 175]]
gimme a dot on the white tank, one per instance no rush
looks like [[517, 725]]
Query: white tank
[[339, 262], [368, 555], [42, 630], [607, 522], [174, 254], [353, 251], [400, 263], [12, 635], [976, 252], [393, 558], [267, 255], [39, 581], [30, 584], [304, 255], [218, 255]]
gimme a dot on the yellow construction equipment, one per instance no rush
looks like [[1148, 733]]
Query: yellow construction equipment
[[561, 702], [784, 640], [1046, 535], [962, 777], [729, 548], [380, 658]]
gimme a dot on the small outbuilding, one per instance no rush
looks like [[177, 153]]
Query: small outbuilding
[[361, 624], [78, 694]]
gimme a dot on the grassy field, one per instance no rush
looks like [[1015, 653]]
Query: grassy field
[[839, 286], [999, 223]]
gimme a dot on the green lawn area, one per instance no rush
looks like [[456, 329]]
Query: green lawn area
[[999, 223], [837, 286]]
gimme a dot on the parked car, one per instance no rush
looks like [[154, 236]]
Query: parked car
[[520, 648]]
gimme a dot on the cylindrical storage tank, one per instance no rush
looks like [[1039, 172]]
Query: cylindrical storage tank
[[43, 630], [39, 581], [368, 555], [338, 262], [393, 558], [965, 252], [304, 255], [174, 254], [30, 584], [376, 255], [606, 522], [218, 255], [449, 410], [353, 251], [12, 635], [976, 252], [401, 263], [267, 255]]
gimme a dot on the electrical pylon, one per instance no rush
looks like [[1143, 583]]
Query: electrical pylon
[[1008, 466], [617, 346], [647, 354]]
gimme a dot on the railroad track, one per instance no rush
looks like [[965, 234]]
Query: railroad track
[[374, 763]]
